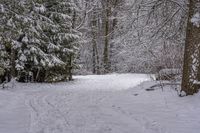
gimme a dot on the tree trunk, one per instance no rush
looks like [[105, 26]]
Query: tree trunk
[[114, 24], [97, 63], [106, 45], [70, 69], [93, 57], [13, 64], [94, 43], [70, 63], [191, 54]]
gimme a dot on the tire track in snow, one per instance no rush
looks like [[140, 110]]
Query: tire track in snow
[[44, 115], [148, 126], [58, 111], [82, 112]]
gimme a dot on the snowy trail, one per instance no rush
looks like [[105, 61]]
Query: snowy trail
[[97, 104], [14, 115]]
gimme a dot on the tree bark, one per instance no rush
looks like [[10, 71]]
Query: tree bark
[[106, 43], [191, 54], [114, 24], [70, 67]]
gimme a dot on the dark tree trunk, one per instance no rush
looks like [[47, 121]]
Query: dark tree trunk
[[106, 43], [114, 24], [70, 63], [191, 54]]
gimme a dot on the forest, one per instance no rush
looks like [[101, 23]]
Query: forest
[[98, 44], [51, 40]]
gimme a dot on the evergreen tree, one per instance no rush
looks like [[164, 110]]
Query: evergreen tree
[[39, 38], [63, 37]]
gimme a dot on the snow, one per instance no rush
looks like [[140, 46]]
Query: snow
[[117, 103], [35, 60], [40, 9], [19, 67], [196, 82], [52, 46], [196, 19], [182, 93], [2, 10], [16, 44], [64, 16], [42, 62], [169, 71], [22, 58], [33, 50], [25, 39], [10, 23], [55, 61]]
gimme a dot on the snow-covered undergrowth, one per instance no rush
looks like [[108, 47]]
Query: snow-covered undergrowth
[[117, 103]]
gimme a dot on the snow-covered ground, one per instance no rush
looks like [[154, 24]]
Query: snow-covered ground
[[98, 104]]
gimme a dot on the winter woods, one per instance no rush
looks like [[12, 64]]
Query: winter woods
[[49, 40], [133, 36]]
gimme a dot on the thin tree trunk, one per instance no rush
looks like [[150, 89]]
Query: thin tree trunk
[[94, 57], [98, 62], [12, 58], [114, 24], [106, 45], [70, 67], [94, 43]]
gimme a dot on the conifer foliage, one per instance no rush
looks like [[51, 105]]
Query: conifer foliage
[[38, 39]]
